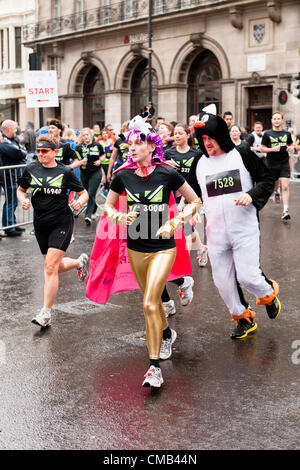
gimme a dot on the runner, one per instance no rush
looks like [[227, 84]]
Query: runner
[[182, 157], [90, 153], [119, 154], [234, 185], [66, 154], [277, 144], [49, 182], [107, 143], [148, 184]]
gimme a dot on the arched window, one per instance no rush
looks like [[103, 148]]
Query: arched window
[[94, 99], [204, 83], [140, 88]]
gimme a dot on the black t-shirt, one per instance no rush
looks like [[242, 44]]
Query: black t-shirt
[[49, 190], [182, 161], [150, 198], [92, 152], [122, 148], [66, 154], [272, 139]]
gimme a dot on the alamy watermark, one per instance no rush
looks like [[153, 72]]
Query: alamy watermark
[[2, 353], [296, 354]]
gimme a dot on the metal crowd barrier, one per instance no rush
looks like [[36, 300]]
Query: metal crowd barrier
[[11, 212]]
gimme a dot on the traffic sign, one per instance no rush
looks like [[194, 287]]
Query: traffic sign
[[41, 89]]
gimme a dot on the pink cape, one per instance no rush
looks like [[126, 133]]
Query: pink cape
[[110, 270]]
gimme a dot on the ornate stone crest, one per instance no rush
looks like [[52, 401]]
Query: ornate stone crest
[[259, 32]]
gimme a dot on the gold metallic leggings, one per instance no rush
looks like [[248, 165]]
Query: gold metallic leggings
[[151, 271]]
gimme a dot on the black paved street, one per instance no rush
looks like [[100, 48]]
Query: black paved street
[[77, 385]]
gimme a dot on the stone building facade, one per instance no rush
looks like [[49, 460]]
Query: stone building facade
[[238, 54], [14, 59]]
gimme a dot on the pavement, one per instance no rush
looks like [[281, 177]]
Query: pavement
[[77, 385]]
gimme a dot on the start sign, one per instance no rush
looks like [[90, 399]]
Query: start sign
[[41, 89]]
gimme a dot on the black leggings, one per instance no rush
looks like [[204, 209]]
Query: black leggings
[[165, 295]]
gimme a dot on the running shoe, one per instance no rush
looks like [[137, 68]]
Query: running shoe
[[277, 197], [274, 308], [88, 221], [82, 269], [169, 307], [42, 319], [153, 377], [202, 257], [186, 291], [166, 346], [243, 328], [94, 216], [285, 216]]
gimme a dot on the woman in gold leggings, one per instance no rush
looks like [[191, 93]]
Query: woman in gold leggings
[[148, 183]]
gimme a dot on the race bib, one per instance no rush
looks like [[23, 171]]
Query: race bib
[[223, 183]]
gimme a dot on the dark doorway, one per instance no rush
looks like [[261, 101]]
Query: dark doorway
[[260, 106], [139, 88], [94, 99], [204, 83]]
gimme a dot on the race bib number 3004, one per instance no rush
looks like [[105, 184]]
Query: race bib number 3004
[[223, 183]]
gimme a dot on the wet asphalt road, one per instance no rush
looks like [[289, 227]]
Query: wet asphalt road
[[77, 385]]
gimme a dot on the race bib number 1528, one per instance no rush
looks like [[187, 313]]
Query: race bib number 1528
[[223, 183]]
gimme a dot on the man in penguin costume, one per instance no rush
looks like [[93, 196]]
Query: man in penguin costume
[[233, 185]]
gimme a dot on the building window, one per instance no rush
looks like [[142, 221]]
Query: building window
[[130, 9], [80, 13], [159, 6], [204, 83], [94, 99], [2, 48], [106, 11], [8, 49], [54, 64], [18, 47], [140, 88], [56, 15]]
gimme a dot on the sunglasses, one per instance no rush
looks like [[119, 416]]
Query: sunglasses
[[43, 151]]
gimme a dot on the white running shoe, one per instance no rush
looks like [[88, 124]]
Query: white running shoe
[[185, 291], [43, 318], [169, 307], [82, 270], [202, 257], [153, 377], [166, 346]]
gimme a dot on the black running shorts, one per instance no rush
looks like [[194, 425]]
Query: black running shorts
[[56, 235], [279, 170]]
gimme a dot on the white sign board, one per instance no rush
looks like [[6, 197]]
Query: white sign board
[[256, 63], [41, 89]]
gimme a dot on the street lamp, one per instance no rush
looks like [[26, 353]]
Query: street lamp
[[150, 54]]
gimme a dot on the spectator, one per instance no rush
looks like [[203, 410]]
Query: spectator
[[11, 153], [159, 120], [254, 139], [29, 141], [228, 118], [192, 120], [235, 135]]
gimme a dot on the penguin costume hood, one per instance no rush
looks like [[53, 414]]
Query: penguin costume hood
[[209, 123]]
